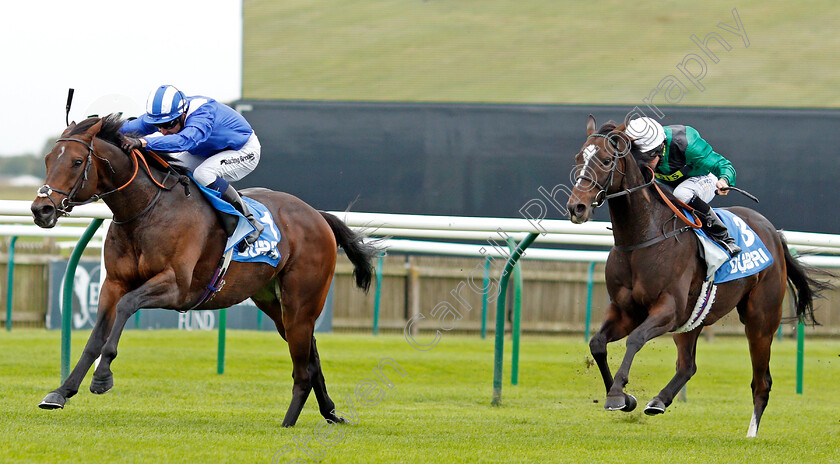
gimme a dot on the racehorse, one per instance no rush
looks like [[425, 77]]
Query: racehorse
[[164, 246], [654, 275]]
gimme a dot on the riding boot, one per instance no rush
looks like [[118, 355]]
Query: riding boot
[[231, 196], [713, 226]]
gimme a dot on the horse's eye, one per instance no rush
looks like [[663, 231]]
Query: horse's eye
[[606, 161], [77, 163]]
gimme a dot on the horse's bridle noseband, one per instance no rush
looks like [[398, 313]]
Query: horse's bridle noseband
[[66, 205]]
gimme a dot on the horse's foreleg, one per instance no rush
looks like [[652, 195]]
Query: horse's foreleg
[[659, 320], [108, 297], [686, 367], [615, 327], [158, 292]]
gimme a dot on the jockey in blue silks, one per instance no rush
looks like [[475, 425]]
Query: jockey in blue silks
[[207, 137]]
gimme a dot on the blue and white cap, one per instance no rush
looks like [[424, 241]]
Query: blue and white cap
[[164, 104]]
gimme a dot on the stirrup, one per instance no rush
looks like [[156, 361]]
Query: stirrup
[[731, 248], [253, 236]]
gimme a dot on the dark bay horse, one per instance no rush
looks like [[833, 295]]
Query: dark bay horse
[[164, 246], [654, 275]]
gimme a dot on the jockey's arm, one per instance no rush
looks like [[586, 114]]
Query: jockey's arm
[[197, 128], [700, 154]]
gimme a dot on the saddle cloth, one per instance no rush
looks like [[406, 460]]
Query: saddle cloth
[[264, 250], [753, 258]]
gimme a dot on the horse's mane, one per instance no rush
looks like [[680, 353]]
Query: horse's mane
[[110, 132]]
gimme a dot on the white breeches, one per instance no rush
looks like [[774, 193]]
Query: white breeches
[[702, 186], [230, 165]]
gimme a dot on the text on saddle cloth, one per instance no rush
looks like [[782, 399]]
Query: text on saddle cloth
[[264, 250], [754, 256]]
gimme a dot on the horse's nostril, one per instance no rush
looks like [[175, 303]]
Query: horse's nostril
[[577, 210]]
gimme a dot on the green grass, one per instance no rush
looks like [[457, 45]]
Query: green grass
[[541, 51], [169, 405]]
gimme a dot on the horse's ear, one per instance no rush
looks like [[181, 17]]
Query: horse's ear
[[590, 125], [94, 129], [69, 128]]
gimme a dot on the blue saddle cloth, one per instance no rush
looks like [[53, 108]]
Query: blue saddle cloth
[[754, 256], [264, 250]]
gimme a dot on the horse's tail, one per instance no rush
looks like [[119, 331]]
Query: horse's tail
[[806, 288], [360, 253]]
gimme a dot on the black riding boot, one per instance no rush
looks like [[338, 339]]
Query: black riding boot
[[231, 196], [713, 226]]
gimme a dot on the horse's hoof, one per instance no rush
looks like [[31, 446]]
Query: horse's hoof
[[630, 402], [100, 386], [656, 406], [53, 401], [330, 417], [615, 403]]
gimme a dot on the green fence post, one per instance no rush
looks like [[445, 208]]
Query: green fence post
[[220, 358], [9, 282], [517, 314], [484, 298], [500, 318], [800, 356], [67, 302], [377, 295], [590, 281]]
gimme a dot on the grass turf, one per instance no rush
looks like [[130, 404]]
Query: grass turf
[[542, 51], [169, 405]]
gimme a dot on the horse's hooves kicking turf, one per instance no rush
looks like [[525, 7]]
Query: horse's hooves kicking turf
[[656, 406], [52, 401]]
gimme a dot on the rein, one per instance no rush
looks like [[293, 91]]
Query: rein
[[696, 224]]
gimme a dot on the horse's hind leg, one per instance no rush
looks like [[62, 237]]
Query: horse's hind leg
[[325, 403], [274, 309], [303, 295], [686, 367], [760, 326]]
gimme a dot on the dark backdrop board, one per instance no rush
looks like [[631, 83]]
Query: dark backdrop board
[[490, 159]]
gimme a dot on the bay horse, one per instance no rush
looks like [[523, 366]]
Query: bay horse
[[654, 275], [164, 246]]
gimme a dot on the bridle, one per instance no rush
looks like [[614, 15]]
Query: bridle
[[602, 195], [67, 203]]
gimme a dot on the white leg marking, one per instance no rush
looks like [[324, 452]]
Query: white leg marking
[[753, 427]]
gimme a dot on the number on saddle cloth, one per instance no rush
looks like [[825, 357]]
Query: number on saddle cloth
[[754, 256]]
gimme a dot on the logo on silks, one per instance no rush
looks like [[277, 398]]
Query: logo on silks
[[86, 294]]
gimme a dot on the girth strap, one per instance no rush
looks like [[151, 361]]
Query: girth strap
[[217, 282]]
